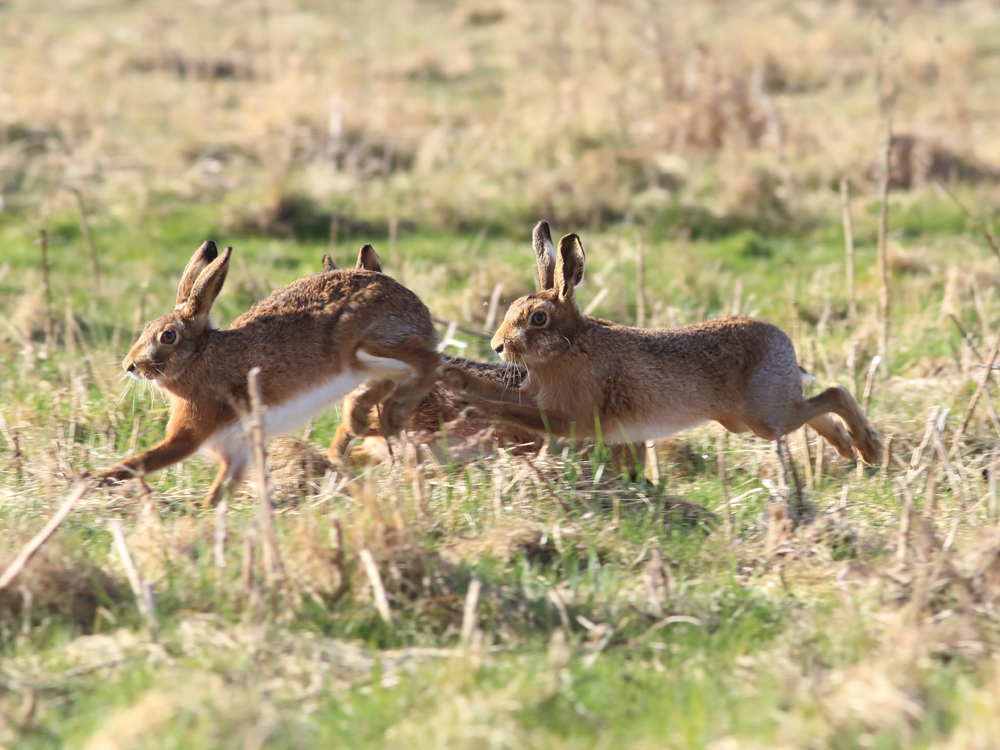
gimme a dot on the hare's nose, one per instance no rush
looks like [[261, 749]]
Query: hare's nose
[[498, 348], [130, 368]]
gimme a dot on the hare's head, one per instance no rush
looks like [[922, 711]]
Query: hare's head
[[543, 325], [168, 344]]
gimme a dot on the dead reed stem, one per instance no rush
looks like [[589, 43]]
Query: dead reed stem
[[724, 480], [272, 556], [845, 208], [983, 226], [43, 241], [378, 590], [143, 593], [980, 389], [469, 611], [95, 270], [28, 551], [491, 312], [885, 105], [219, 547], [640, 283], [870, 383], [652, 462], [904, 521]]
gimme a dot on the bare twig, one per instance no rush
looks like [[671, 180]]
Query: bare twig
[[143, 592], [28, 551], [95, 270], [220, 536], [491, 311], [886, 100], [272, 556], [978, 394], [43, 241], [464, 329], [469, 612], [724, 479], [870, 383], [378, 590], [845, 208], [981, 225], [640, 283], [597, 300]]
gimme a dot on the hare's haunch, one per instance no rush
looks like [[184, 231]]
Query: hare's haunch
[[588, 376], [315, 341]]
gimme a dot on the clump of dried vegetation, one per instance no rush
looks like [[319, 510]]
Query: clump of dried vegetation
[[502, 599]]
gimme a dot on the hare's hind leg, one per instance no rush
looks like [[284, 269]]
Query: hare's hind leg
[[839, 401], [356, 421], [420, 362]]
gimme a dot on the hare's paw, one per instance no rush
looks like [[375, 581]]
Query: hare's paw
[[455, 377], [868, 443]]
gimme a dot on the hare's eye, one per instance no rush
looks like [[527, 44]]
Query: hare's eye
[[539, 318], [168, 337]]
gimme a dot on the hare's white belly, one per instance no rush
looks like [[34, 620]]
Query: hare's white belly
[[283, 419], [657, 428]]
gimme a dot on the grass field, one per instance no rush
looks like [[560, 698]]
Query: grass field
[[542, 603]]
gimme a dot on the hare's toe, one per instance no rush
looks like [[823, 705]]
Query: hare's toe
[[833, 432], [869, 445]]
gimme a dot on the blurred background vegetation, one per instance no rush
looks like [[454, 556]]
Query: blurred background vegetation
[[697, 119]]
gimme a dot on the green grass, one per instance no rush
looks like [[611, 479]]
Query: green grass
[[768, 636]]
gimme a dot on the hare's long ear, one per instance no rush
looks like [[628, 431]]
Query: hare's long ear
[[545, 256], [206, 288], [570, 264], [328, 264], [198, 263], [368, 260]]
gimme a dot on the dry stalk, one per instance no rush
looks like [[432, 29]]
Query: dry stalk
[[219, 547], [28, 551], [981, 225], [597, 300], [980, 389], [272, 556], [95, 270], [640, 283], [464, 329], [870, 382], [994, 416], [491, 312], [905, 514], [845, 208], [43, 241], [378, 590], [469, 612], [246, 565], [886, 100], [724, 479], [142, 590], [652, 471]]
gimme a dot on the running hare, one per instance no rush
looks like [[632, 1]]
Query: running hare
[[633, 384], [435, 411], [315, 341]]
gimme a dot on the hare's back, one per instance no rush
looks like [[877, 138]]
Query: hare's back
[[340, 296], [723, 350]]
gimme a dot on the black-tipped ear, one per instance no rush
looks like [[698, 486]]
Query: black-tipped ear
[[328, 264], [570, 264], [368, 259], [545, 256], [206, 288], [198, 263]]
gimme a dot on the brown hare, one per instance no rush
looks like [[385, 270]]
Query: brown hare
[[588, 376], [436, 411], [315, 341]]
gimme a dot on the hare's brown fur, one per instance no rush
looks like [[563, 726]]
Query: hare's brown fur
[[315, 341], [435, 411], [587, 375]]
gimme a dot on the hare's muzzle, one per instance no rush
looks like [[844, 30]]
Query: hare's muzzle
[[498, 348]]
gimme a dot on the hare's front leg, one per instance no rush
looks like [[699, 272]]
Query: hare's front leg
[[182, 439], [356, 421], [471, 385]]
